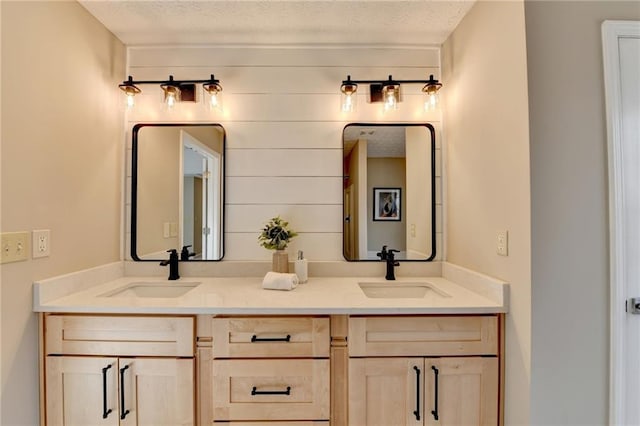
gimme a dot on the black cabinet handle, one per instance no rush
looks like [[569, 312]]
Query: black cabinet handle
[[105, 411], [435, 402], [124, 411], [417, 411], [255, 338], [255, 391]]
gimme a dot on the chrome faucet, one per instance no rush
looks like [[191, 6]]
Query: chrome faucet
[[173, 264], [389, 257]]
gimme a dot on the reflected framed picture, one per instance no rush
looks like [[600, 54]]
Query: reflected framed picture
[[386, 204]]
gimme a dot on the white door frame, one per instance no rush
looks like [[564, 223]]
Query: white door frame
[[619, 402]]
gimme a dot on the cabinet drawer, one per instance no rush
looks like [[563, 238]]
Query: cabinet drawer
[[271, 337], [119, 335], [318, 423], [279, 389], [423, 336]]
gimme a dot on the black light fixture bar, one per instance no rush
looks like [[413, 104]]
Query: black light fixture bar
[[390, 80], [130, 81]]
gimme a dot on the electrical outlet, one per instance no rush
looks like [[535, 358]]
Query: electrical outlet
[[41, 243], [502, 247], [14, 247]]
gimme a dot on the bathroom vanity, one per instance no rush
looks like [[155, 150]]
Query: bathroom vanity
[[338, 350]]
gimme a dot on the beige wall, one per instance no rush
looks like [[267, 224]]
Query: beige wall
[[570, 279], [62, 151], [158, 189], [386, 173], [486, 139], [418, 181]]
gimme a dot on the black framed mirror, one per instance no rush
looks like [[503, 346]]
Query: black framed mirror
[[389, 187], [177, 191]]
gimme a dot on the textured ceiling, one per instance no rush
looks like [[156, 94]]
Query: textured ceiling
[[382, 141], [391, 22]]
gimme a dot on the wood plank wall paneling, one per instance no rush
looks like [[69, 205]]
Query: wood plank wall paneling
[[284, 131]]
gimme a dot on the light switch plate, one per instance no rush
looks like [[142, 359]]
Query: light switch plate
[[14, 246], [502, 247], [41, 243]]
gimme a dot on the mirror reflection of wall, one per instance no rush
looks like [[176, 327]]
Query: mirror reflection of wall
[[382, 163], [177, 190]]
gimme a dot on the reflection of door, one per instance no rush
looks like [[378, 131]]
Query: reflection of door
[[203, 205], [622, 68], [197, 215], [349, 224]]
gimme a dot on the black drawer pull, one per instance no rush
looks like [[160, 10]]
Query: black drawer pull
[[255, 391], [255, 338], [124, 411], [105, 411], [417, 411], [435, 402]]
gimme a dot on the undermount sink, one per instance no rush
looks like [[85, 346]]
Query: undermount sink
[[400, 290], [152, 289]]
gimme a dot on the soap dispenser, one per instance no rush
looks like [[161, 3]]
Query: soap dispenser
[[301, 268]]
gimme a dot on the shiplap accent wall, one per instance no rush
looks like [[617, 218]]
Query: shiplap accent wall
[[284, 130]]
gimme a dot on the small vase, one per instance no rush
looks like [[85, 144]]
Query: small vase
[[280, 261]]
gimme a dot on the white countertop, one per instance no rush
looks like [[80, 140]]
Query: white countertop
[[83, 292]]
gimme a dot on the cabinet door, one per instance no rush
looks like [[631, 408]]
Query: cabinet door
[[156, 392], [81, 391], [466, 392], [386, 391]]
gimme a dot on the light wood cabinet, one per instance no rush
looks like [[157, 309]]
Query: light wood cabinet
[[408, 371], [119, 391], [423, 391], [116, 388], [264, 368]]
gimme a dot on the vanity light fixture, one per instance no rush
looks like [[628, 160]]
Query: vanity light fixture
[[431, 91], [175, 91], [130, 90], [171, 93], [387, 92], [212, 91], [348, 99]]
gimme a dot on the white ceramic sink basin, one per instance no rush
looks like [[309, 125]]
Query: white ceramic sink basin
[[153, 289], [400, 290]]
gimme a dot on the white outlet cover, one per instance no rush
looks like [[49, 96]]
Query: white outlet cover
[[41, 243]]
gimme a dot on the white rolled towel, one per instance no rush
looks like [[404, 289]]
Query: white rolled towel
[[279, 281]]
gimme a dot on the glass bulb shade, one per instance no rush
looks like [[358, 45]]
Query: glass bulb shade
[[171, 95], [348, 102], [130, 91], [213, 96], [431, 101], [390, 96], [348, 97], [130, 100]]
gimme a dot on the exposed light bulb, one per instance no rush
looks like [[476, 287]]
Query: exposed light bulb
[[431, 102], [130, 100], [431, 92], [348, 97], [214, 101], [170, 100], [213, 93], [390, 102], [348, 102]]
